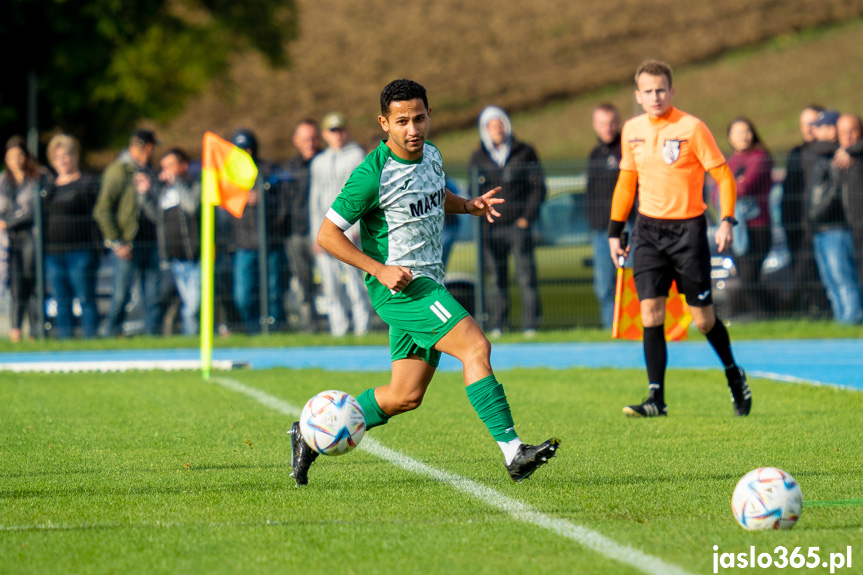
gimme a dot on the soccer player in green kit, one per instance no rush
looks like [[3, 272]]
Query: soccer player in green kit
[[399, 196]]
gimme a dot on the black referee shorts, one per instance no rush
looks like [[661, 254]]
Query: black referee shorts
[[672, 250]]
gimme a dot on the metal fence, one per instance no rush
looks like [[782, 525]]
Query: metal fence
[[788, 284]]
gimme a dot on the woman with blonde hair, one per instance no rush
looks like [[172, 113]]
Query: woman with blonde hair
[[71, 238], [20, 183]]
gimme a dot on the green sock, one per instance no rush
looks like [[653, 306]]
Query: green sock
[[488, 399], [372, 411]]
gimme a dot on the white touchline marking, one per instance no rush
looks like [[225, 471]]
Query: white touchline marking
[[793, 379], [587, 537]]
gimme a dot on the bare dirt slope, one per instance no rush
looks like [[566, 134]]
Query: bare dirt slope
[[516, 54]]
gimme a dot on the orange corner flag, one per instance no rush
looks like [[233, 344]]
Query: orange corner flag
[[228, 174], [627, 311]]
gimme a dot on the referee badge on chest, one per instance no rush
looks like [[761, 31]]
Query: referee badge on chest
[[671, 151]]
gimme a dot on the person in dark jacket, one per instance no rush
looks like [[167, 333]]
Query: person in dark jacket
[[825, 214], [266, 196], [502, 161], [20, 184], [71, 238], [180, 233], [849, 161], [810, 296], [602, 171], [298, 243]]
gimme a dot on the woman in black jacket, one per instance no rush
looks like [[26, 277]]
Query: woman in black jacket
[[71, 238]]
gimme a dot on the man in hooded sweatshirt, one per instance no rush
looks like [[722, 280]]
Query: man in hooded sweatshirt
[[502, 161]]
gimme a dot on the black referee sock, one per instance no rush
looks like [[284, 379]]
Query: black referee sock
[[656, 357], [718, 338]]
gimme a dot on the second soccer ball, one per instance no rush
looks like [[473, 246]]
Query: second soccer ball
[[767, 498]]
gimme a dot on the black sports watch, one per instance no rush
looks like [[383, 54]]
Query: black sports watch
[[731, 220]]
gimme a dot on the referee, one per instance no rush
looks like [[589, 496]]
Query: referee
[[666, 152]]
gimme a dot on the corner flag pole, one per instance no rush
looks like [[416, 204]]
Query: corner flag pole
[[208, 258], [227, 175]]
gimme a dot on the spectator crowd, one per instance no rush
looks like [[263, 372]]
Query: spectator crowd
[[141, 217]]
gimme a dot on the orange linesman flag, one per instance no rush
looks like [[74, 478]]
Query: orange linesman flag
[[228, 174], [627, 311]]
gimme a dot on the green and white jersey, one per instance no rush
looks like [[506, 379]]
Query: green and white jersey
[[399, 205]]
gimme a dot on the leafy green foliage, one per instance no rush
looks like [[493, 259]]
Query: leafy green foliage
[[104, 64]]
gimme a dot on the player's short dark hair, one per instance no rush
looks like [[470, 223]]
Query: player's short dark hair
[[401, 91], [178, 153], [654, 68]]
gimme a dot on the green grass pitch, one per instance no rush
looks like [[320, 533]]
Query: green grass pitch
[[155, 472]]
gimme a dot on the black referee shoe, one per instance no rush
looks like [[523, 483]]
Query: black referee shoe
[[648, 408], [302, 456], [529, 458], [741, 396]]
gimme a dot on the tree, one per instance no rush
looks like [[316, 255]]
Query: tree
[[103, 65]]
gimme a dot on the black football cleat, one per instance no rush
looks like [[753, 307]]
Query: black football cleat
[[648, 408], [529, 458], [741, 395], [302, 456]]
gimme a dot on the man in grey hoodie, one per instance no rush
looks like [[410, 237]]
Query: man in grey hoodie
[[502, 161]]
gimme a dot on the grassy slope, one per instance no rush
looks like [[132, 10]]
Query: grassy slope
[[769, 83], [469, 54], [169, 474]]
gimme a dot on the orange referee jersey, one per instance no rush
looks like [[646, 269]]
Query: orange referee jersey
[[669, 155]]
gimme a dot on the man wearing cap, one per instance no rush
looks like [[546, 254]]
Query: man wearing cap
[[126, 212], [826, 218], [266, 196], [329, 171]]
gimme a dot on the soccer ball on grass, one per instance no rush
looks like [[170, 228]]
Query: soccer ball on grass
[[332, 422], [767, 498]]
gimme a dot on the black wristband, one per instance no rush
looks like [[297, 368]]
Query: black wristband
[[615, 228], [464, 205]]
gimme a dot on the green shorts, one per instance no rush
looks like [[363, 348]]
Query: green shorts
[[418, 317]]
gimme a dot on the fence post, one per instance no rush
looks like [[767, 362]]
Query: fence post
[[264, 319], [479, 292], [39, 253]]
